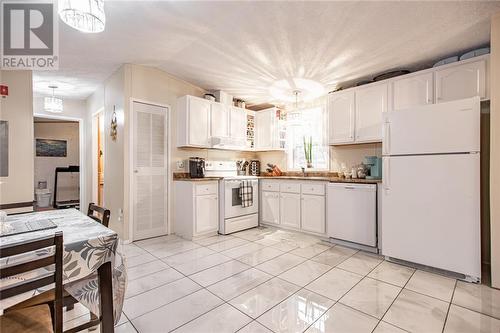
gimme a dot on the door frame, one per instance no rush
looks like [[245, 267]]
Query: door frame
[[94, 131], [82, 151], [168, 136]]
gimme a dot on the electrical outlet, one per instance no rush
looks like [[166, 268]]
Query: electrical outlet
[[181, 165]]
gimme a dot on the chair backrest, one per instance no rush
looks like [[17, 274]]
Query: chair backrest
[[103, 212], [56, 258]]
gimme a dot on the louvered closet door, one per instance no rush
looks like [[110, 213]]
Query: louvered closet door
[[149, 185]]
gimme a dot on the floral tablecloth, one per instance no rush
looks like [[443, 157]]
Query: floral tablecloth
[[87, 245]]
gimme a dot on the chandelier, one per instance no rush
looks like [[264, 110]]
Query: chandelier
[[83, 15], [53, 104]]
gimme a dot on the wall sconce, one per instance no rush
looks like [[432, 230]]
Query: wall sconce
[[114, 125]]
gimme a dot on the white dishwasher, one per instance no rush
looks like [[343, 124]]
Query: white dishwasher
[[352, 213]]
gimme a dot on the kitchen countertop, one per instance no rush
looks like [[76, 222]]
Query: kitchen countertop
[[331, 179], [325, 179]]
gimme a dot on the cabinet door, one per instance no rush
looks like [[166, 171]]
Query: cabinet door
[[199, 115], [371, 102], [412, 91], [341, 117], [290, 209], [270, 207], [238, 123], [462, 81], [313, 213], [263, 130], [207, 213], [219, 119]]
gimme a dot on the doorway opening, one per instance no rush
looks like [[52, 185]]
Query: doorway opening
[[56, 163]]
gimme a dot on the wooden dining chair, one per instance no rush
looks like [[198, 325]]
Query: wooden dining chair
[[102, 215], [40, 318]]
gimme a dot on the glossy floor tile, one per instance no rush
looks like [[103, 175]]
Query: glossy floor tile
[[461, 320], [341, 318], [392, 273], [237, 284], [361, 263], [262, 298], [371, 296], [280, 264], [304, 273], [334, 256], [155, 298], [219, 272], [269, 280], [478, 298], [415, 312], [335, 283], [223, 319], [432, 285], [296, 313], [178, 313]]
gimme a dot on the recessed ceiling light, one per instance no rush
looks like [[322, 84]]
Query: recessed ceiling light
[[286, 90]]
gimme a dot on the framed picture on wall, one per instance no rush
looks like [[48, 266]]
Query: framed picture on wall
[[4, 148], [51, 148]]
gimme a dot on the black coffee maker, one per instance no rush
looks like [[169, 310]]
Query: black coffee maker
[[196, 167]]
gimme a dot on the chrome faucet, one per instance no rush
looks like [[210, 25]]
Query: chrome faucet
[[303, 171]]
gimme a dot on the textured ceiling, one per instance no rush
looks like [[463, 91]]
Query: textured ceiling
[[243, 47]]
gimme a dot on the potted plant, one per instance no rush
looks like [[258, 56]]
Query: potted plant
[[308, 151]]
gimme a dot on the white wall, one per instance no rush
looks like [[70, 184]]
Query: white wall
[[68, 188], [17, 109], [72, 108], [495, 151]]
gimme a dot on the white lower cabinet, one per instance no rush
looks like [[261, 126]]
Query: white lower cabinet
[[313, 213], [270, 206], [206, 213], [294, 205], [196, 208], [290, 210]]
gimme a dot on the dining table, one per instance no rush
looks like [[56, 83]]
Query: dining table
[[94, 269]]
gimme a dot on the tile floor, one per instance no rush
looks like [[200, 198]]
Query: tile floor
[[270, 280]]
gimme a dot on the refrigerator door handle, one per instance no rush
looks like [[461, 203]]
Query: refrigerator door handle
[[386, 174], [387, 137]]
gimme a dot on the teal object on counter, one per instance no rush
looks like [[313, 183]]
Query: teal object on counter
[[375, 164]]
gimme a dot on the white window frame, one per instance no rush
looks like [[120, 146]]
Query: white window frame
[[324, 134]]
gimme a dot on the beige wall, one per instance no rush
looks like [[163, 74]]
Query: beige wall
[[17, 109], [68, 184], [495, 151], [350, 155]]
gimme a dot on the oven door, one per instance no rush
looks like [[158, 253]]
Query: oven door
[[232, 198]]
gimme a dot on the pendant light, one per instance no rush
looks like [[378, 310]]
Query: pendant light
[[83, 15], [53, 104]]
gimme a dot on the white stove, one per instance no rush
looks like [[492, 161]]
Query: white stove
[[233, 216]]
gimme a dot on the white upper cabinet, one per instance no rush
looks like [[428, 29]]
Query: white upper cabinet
[[371, 102], [219, 120], [193, 116], [341, 117], [461, 81], [412, 91], [264, 123], [238, 123]]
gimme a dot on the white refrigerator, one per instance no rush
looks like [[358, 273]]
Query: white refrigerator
[[431, 186]]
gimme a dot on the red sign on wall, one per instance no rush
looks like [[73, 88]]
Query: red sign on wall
[[4, 90]]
